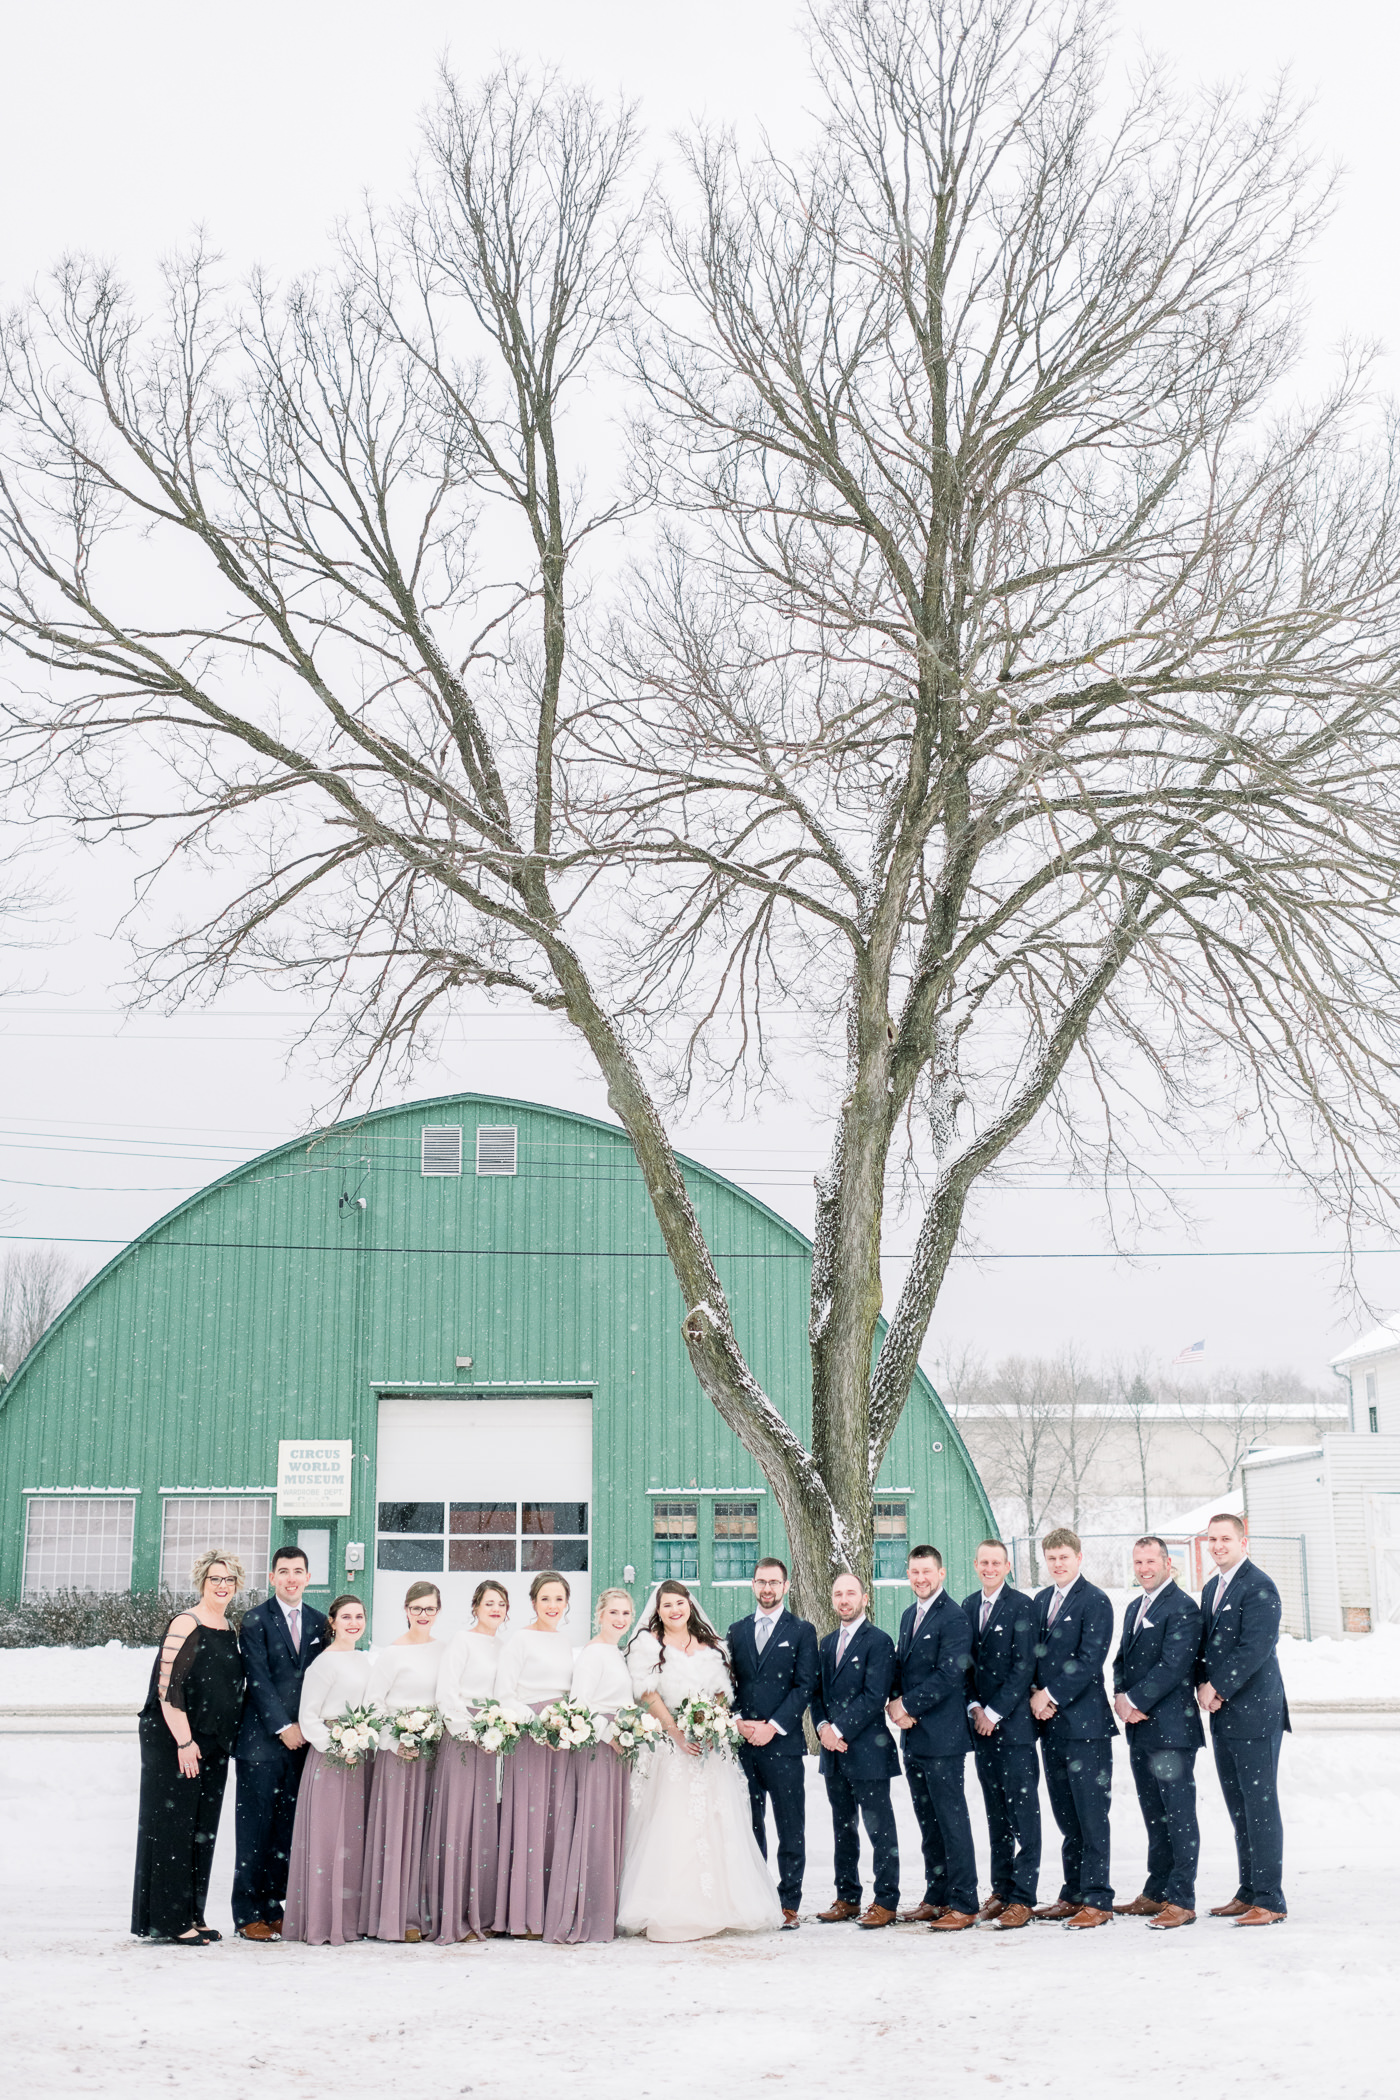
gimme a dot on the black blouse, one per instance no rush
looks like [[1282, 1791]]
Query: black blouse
[[206, 1684]]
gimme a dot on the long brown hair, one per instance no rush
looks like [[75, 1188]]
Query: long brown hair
[[696, 1628]]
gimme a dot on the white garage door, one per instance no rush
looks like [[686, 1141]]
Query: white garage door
[[468, 1488]]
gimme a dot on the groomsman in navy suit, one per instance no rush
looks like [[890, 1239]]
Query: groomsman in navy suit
[[858, 1758], [929, 1707], [1074, 1622], [278, 1639], [774, 1658], [1240, 1686], [1002, 1624], [1153, 1679]]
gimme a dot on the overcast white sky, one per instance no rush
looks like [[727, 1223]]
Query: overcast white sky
[[123, 128]]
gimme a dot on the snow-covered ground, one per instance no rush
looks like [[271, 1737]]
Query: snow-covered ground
[[1299, 2009]]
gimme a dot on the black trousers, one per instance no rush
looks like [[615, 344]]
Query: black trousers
[[177, 1825], [776, 1775], [1009, 1775], [1248, 1772], [1166, 1791], [265, 1810], [1079, 1777], [938, 1791], [853, 1794]]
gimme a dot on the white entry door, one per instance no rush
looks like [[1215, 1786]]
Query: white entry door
[[1383, 1526], [468, 1488]]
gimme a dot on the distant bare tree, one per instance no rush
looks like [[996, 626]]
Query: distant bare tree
[[1141, 1410], [35, 1285], [1081, 1423], [1230, 1413], [1008, 693], [1016, 1441]]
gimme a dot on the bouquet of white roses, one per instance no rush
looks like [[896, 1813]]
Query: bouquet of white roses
[[490, 1728], [631, 1730], [567, 1724], [708, 1724], [353, 1735], [415, 1730]]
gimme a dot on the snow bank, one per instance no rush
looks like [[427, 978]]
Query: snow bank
[[109, 1676]]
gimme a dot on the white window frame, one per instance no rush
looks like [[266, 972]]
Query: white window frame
[[176, 1559], [117, 1510]]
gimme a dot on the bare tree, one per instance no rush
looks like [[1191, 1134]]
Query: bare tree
[[1082, 1420], [1007, 692], [1016, 1441], [1141, 1410], [35, 1285]]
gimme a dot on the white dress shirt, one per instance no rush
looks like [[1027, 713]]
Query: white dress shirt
[[849, 1628], [769, 1619], [991, 1604]]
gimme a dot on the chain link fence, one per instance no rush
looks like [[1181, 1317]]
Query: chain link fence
[[1108, 1562]]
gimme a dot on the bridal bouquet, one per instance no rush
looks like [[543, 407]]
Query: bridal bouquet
[[567, 1724], [631, 1730], [490, 1728], [415, 1729], [353, 1735], [708, 1724]]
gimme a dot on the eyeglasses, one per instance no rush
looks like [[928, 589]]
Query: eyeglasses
[[222, 1582], [422, 1611]]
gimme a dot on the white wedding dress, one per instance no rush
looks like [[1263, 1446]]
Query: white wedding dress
[[691, 1867]]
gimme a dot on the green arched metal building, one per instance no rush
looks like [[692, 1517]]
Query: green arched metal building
[[440, 1338]]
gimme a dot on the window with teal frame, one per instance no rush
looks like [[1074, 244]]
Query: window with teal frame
[[891, 1540], [675, 1542], [736, 1541]]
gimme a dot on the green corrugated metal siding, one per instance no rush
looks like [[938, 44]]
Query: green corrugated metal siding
[[262, 1309]]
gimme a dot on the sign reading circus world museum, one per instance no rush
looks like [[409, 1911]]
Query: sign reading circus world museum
[[313, 1479]]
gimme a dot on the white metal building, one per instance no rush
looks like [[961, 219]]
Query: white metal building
[[1342, 1496]]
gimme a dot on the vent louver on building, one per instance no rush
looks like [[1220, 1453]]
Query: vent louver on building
[[442, 1148], [495, 1148]]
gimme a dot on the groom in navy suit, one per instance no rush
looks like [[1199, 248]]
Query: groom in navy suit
[[773, 1655], [859, 1758], [278, 1639], [1153, 1678], [1240, 1686]]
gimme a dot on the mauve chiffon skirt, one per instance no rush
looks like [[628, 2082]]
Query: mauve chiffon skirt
[[398, 1806], [328, 1854], [592, 1822], [531, 1779], [459, 1855]]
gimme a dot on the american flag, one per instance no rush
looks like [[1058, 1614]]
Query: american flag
[[1192, 1355]]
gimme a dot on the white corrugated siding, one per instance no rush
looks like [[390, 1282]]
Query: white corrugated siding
[[1287, 1498]]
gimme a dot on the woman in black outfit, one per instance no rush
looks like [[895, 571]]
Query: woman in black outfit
[[188, 1726]]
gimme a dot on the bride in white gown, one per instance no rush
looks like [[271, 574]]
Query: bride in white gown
[[692, 1868]]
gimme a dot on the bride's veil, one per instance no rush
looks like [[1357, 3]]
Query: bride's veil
[[645, 1615]]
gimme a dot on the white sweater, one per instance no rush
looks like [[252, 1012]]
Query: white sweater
[[601, 1678], [467, 1677], [535, 1668], [402, 1677], [337, 1679]]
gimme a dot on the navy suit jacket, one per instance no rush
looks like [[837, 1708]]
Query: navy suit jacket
[[1003, 1663], [853, 1700], [1156, 1667], [777, 1685], [274, 1669], [1070, 1656], [930, 1676], [1239, 1654]]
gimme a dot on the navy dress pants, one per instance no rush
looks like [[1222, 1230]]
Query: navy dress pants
[[1079, 1777], [938, 1792], [1166, 1791], [854, 1792], [776, 1775], [1009, 1774], [265, 1807], [1248, 1772]]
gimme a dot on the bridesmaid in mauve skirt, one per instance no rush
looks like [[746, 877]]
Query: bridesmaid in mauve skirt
[[328, 1837], [402, 1675], [593, 1798], [460, 1854], [536, 1669]]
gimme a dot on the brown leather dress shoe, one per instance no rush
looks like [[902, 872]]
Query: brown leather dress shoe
[[258, 1930], [922, 1914], [872, 1919], [791, 1921], [992, 1908], [1054, 1913], [1170, 1915], [274, 1926], [839, 1914], [1086, 1918], [1013, 1918], [1235, 1908], [1140, 1907], [954, 1921], [1257, 1915]]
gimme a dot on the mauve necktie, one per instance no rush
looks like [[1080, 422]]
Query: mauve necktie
[[986, 1614], [841, 1645], [1055, 1602], [294, 1624]]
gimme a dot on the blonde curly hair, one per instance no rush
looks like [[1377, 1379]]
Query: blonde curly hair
[[199, 1573]]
